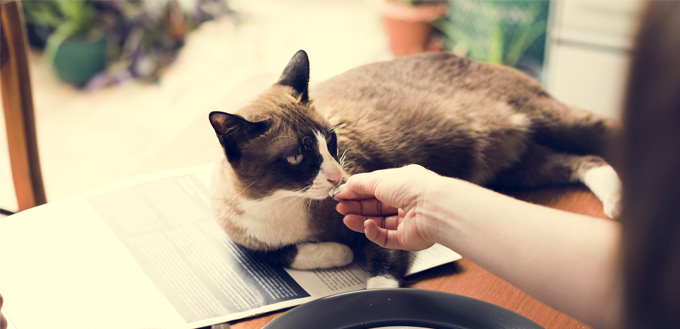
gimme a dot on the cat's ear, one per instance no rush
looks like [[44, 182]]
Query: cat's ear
[[232, 130], [296, 75], [226, 124]]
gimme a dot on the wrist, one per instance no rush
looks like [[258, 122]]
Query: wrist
[[454, 208], [437, 210]]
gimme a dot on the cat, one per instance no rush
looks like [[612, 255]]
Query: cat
[[484, 123]]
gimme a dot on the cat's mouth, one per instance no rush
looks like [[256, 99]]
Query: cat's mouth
[[319, 192]]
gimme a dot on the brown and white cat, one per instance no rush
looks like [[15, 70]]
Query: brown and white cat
[[488, 124]]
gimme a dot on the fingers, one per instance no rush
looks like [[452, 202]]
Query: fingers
[[365, 185], [375, 204], [383, 237], [380, 230], [357, 187], [354, 222], [358, 223], [397, 187], [367, 207]]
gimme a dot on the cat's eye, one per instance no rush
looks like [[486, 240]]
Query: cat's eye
[[295, 159]]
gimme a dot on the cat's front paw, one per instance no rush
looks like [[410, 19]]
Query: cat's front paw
[[322, 255]]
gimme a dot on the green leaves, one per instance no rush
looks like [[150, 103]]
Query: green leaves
[[499, 32]]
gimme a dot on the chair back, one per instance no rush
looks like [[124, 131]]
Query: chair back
[[17, 103]]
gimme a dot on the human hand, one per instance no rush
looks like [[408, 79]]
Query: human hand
[[3, 320], [394, 208]]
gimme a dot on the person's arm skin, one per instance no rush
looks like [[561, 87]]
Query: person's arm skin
[[566, 260]]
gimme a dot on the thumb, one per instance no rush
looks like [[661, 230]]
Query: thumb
[[357, 187], [389, 186]]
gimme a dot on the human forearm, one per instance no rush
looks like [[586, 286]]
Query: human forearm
[[563, 259]]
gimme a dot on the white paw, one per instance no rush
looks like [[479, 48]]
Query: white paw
[[383, 281], [322, 255], [606, 185]]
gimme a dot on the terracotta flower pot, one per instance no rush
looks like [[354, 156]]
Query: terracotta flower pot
[[408, 27]]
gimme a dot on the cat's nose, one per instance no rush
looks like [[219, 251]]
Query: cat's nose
[[335, 178]]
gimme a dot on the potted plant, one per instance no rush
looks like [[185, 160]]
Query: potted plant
[[408, 24], [77, 44], [94, 43]]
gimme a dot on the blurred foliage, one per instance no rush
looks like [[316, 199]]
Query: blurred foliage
[[143, 36], [63, 16], [509, 32]]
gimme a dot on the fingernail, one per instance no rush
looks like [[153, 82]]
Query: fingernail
[[336, 190]]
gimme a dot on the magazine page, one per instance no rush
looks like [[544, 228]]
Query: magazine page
[[166, 225]]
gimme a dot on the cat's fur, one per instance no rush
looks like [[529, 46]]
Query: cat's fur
[[488, 124]]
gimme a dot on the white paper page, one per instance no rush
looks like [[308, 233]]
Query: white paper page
[[434, 256], [325, 282], [62, 267], [170, 231]]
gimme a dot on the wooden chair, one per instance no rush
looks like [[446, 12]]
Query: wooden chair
[[17, 102]]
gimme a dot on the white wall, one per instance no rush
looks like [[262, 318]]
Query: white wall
[[588, 52]]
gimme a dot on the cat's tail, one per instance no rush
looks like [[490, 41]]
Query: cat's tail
[[574, 130]]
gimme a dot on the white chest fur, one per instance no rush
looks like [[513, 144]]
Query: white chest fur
[[277, 220]]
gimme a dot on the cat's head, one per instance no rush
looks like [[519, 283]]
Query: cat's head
[[278, 144]]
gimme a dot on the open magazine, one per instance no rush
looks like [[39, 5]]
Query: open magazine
[[147, 253]]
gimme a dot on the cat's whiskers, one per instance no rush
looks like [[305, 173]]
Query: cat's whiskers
[[343, 161], [344, 155], [348, 167], [239, 193], [309, 204], [295, 203], [292, 199], [287, 206], [263, 204]]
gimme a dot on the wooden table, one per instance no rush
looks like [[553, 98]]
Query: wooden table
[[466, 278]]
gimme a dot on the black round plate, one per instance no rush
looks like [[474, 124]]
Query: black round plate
[[399, 307]]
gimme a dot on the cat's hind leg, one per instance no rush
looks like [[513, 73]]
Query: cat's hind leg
[[571, 129], [542, 166], [606, 185], [386, 267]]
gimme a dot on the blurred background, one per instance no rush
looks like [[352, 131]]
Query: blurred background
[[123, 87]]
